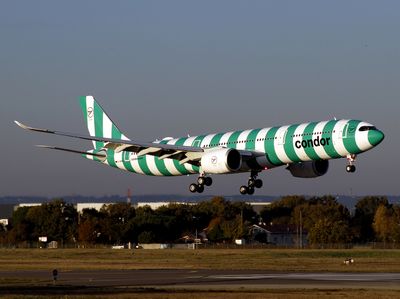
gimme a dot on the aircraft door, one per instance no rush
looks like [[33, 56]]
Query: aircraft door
[[282, 137]]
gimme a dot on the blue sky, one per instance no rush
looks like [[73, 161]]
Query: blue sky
[[172, 68]]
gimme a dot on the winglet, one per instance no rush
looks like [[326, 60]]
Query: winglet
[[25, 127], [21, 125]]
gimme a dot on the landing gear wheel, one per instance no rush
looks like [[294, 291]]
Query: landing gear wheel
[[193, 188], [251, 182], [350, 168], [258, 183], [200, 188], [250, 191], [201, 180], [243, 190], [208, 181]]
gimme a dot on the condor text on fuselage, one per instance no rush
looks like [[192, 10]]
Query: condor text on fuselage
[[312, 142]]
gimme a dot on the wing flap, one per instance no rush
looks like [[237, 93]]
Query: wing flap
[[97, 154]]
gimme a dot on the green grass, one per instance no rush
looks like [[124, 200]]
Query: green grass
[[307, 260]]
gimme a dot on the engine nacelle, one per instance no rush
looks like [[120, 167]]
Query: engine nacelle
[[310, 169], [223, 160]]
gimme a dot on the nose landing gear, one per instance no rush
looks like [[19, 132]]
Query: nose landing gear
[[350, 166], [252, 183], [201, 182]]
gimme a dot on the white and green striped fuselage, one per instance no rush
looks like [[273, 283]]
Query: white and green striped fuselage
[[304, 148], [279, 146]]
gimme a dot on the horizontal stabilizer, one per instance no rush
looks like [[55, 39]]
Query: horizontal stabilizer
[[99, 155]]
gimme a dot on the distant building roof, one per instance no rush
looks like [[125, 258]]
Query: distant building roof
[[22, 205], [157, 204], [92, 205]]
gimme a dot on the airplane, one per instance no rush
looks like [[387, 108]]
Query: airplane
[[305, 149]]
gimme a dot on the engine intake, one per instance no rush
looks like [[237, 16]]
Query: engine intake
[[221, 161], [310, 169]]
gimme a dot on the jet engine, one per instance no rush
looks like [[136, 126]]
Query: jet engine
[[310, 169], [219, 161]]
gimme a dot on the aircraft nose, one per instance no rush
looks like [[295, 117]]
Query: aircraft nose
[[375, 137]]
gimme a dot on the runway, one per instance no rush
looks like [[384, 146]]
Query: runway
[[209, 279]]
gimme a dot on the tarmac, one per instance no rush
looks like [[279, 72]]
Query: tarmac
[[205, 279]]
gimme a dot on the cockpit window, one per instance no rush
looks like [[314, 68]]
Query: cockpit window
[[367, 128]]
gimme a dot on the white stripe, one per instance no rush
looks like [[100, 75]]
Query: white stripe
[[118, 158], [242, 138], [207, 140], [151, 164], [225, 138], [362, 140], [135, 163], [169, 163], [320, 150], [90, 120], [279, 146], [260, 145], [300, 152], [107, 127], [337, 138]]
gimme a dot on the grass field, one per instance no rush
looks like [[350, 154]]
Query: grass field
[[284, 260], [306, 260]]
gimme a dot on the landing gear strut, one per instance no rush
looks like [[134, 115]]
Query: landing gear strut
[[350, 166], [252, 183], [201, 182]]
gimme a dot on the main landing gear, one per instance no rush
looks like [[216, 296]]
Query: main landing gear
[[350, 166], [201, 182], [252, 183]]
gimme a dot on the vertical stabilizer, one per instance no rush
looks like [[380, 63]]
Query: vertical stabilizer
[[98, 122]]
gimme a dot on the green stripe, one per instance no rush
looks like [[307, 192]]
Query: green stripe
[[115, 133], [328, 133], [251, 144], [111, 159], [82, 101], [182, 169], [270, 148], [126, 161], [289, 146], [160, 164], [350, 141], [143, 165], [233, 138], [216, 140], [98, 123], [308, 135], [197, 141]]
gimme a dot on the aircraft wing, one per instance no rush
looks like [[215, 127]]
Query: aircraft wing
[[186, 154]]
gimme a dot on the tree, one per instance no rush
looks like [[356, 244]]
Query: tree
[[115, 221], [87, 233], [385, 224], [56, 220], [281, 211], [364, 217], [326, 220]]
